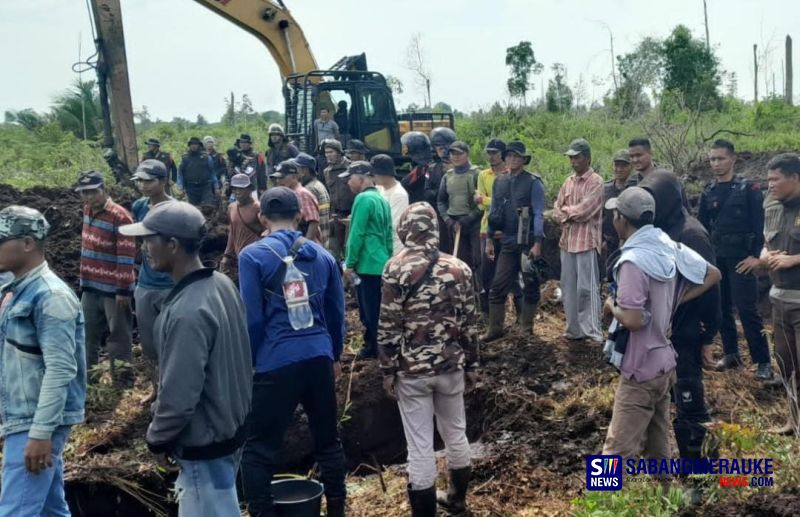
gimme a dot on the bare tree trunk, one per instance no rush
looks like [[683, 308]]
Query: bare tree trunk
[[708, 40], [755, 73], [613, 64], [789, 78]]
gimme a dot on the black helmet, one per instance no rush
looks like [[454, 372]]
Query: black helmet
[[418, 147], [442, 136]]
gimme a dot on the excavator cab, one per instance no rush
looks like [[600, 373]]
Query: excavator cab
[[359, 101]]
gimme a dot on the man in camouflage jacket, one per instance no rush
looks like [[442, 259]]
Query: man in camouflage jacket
[[428, 352]]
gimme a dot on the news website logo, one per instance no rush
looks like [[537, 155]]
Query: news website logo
[[603, 472]]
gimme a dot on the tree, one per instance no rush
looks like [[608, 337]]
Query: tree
[[415, 61], [143, 116], [639, 70], [394, 84], [559, 95], [245, 108], [201, 120], [442, 107], [522, 62], [229, 118], [732, 87], [78, 111], [691, 69], [26, 118]]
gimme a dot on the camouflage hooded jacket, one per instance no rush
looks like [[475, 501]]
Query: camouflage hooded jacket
[[429, 330]]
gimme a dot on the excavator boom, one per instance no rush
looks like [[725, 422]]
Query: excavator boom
[[273, 24]]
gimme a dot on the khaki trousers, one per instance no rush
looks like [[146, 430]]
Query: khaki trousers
[[640, 423]]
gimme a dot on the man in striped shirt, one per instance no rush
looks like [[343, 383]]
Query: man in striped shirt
[[106, 276], [579, 210]]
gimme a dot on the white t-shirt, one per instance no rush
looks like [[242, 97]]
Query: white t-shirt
[[397, 197]]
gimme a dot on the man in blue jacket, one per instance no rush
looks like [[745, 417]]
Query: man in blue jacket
[[42, 367], [291, 366]]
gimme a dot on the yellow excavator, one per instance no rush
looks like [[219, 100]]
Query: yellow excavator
[[359, 100]]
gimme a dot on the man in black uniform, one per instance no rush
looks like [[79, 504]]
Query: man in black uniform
[[417, 146], [196, 175], [732, 212], [694, 324], [251, 163], [154, 152], [441, 140]]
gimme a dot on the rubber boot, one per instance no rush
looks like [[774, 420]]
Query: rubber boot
[[423, 502], [519, 307], [526, 318], [335, 506], [494, 330], [455, 499], [729, 362]]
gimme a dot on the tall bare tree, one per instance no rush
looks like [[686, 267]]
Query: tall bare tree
[[415, 61]]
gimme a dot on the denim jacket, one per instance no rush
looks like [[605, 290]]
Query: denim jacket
[[43, 359]]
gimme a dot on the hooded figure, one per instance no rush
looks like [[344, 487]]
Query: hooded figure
[[695, 323], [428, 332]]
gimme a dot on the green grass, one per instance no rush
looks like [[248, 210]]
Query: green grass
[[634, 500], [51, 157]]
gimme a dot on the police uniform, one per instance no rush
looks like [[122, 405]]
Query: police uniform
[[733, 214]]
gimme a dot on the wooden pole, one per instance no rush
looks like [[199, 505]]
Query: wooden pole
[[789, 79], [755, 73]]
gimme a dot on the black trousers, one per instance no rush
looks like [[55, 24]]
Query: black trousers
[[276, 395], [741, 291], [488, 268], [689, 397], [506, 275], [200, 194], [369, 310]]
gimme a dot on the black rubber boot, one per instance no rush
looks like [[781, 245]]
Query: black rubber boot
[[335, 506], [494, 330], [423, 502], [729, 362], [519, 307], [454, 501], [526, 318]]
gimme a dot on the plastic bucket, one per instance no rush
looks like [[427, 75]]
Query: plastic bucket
[[297, 497]]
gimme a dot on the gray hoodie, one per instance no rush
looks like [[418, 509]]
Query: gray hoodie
[[205, 370]]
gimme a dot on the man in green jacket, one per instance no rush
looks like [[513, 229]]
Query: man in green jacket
[[369, 247]]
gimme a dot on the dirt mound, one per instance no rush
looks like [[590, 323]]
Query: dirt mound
[[748, 164], [64, 211]]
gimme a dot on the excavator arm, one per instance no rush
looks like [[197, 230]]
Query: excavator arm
[[273, 24]]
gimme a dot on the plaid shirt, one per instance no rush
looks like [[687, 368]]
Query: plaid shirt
[[579, 209], [309, 207]]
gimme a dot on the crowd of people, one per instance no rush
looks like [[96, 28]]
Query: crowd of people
[[426, 256]]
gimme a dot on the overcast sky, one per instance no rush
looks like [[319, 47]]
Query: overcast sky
[[184, 60]]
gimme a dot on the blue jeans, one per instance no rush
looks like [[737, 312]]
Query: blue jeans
[[208, 487], [26, 494]]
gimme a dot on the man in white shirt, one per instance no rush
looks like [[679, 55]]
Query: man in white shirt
[[392, 191]]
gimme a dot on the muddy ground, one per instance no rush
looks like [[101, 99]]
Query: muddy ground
[[544, 403]]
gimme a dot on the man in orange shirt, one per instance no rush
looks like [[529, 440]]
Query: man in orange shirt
[[243, 215]]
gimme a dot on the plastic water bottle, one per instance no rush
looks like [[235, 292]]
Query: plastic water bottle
[[355, 280], [295, 292]]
